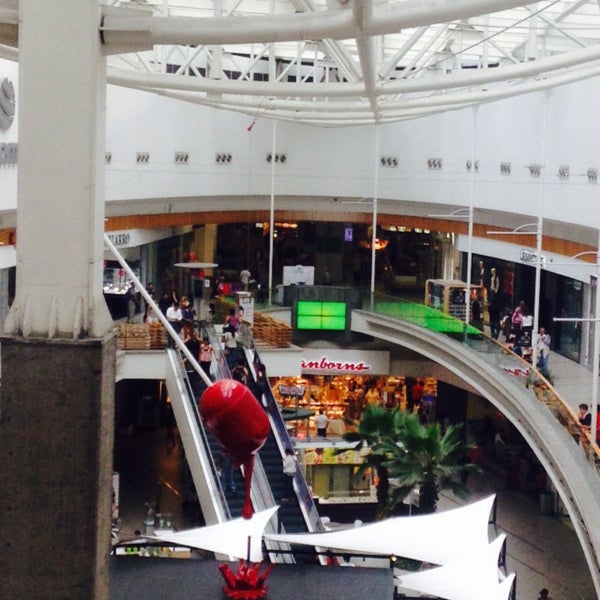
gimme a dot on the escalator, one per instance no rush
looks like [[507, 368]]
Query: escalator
[[185, 382]]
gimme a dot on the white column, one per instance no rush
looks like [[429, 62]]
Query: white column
[[60, 217]]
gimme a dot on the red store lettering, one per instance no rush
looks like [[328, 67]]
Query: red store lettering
[[324, 364]]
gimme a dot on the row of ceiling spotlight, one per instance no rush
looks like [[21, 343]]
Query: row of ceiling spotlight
[[433, 164]]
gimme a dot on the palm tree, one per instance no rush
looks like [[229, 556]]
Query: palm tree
[[377, 425], [422, 457]]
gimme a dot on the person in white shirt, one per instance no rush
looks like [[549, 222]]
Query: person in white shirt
[[175, 317], [321, 421]]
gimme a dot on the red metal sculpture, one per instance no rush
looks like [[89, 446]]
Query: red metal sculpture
[[248, 583], [239, 424]]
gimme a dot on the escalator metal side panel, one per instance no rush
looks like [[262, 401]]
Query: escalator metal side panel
[[278, 427], [197, 454]]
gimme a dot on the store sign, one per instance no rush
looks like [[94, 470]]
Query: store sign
[[291, 390], [299, 275], [345, 362], [8, 154], [529, 257], [120, 239]]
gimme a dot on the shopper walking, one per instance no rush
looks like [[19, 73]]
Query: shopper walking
[[206, 355], [290, 467]]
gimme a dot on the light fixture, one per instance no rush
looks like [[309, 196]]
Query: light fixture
[[592, 175], [505, 168], [389, 161], [107, 157], [535, 169], [182, 158], [223, 158], [142, 157], [434, 164], [563, 172], [473, 165], [278, 158]]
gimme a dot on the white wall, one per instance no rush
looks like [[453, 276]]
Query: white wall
[[560, 127]]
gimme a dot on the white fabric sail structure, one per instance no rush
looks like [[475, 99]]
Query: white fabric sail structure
[[438, 538], [238, 538], [473, 577]]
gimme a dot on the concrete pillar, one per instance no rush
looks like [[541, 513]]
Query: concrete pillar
[[205, 244], [56, 436], [60, 198], [58, 353]]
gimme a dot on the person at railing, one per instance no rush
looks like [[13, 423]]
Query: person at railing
[[584, 417], [543, 348], [517, 318]]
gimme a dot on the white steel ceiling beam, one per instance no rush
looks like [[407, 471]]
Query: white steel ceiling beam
[[123, 29]]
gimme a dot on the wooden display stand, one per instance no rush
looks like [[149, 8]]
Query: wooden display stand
[[448, 295]]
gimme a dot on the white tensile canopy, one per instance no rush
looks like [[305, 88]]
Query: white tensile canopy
[[438, 538], [238, 538], [455, 539], [473, 577]]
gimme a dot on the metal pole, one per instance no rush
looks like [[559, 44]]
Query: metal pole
[[596, 349], [374, 234], [538, 247], [148, 298], [272, 213], [470, 231]]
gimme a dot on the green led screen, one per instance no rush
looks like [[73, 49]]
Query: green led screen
[[329, 316]]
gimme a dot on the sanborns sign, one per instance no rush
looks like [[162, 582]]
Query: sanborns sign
[[345, 362]]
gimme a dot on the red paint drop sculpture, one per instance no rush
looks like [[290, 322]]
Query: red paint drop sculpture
[[248, 583], [239, 425]]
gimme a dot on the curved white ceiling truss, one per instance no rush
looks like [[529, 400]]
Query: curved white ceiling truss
[[343, 62]]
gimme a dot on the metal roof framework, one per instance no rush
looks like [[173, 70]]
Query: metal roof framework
[[341, 62], [349, 62]]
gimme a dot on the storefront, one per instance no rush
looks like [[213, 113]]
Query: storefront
[[507, 283], [343, 397]]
